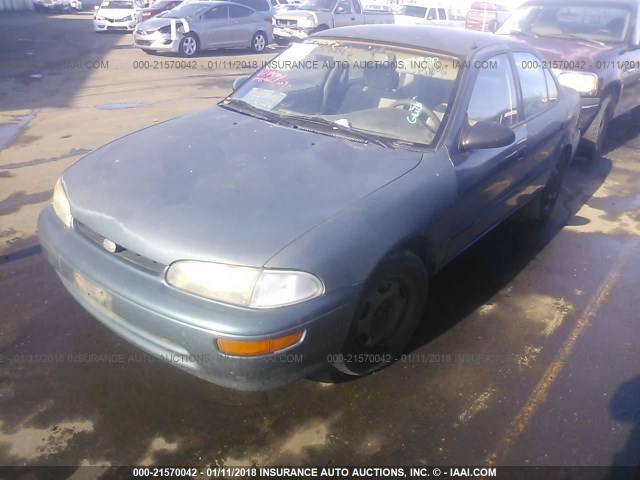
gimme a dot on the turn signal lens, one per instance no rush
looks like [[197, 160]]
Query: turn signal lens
[[251, 348]]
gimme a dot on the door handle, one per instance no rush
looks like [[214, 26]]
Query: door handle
[[353, 18]]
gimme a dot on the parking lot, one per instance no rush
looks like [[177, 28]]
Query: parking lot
[[529, 357]]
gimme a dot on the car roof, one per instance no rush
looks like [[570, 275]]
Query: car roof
[[455, 41]]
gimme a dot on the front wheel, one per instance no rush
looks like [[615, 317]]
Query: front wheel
[[189, 45], [259, 42], [388, 313], [281, 41]]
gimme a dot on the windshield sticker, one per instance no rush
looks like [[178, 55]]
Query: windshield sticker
[[263, 98], [272, 77], [414, 111], [292, 56]]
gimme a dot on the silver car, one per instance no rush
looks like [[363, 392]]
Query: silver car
[[203, 25]]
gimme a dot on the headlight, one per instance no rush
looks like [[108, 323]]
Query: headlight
[[244, 286], [61, 205], [585, 83]]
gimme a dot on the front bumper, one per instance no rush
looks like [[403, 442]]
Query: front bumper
[[180, 328], [104, 25], [290, 33], [157, 41]]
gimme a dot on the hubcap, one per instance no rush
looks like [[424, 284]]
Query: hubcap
[[381, 313], [259, 42], [189, 45]]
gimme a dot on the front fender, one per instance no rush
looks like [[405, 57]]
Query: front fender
[[345, 249]]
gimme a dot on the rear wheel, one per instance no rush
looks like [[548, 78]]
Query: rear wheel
[[259, 42], [635, 114], [540, 208], [389, 311], [189, 45]]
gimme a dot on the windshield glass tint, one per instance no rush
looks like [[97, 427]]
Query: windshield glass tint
[[413, 11], [117, 4], [319, 4], [186, 10], [601, 23], [400, 94]]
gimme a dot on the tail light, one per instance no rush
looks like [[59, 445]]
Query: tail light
[[268, 19]]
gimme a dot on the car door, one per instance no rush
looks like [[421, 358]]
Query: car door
[[242, 25], [487, 178], [213, 27], [344, 15], [545, 127]]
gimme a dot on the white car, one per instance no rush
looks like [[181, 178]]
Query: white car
[[118, 15]]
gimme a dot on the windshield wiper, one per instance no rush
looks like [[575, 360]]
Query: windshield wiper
[[242, 106], [577, 37], [352, 132], [522, 32]]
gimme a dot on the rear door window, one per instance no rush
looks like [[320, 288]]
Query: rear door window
[[532, 82]]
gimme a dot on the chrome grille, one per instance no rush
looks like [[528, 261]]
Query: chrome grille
[[123, 253]]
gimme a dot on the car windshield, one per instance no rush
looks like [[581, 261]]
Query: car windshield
[[318, 4], [596, 23], [395, 94], [117, 4], [413, 11], [186, 10]]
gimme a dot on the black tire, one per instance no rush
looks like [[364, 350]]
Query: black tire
[[388, 313], [597, 133], [283, 42], [259, 42], [320, 28], [635, 114], [189, 45], [539, 209], [149, 52]]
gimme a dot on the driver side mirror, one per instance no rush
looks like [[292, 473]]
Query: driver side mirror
[[340, 10], [238, 82], [96, 8], [485, 135]]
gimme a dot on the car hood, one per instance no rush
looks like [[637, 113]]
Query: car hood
[[224, 187], [570, 50], [297, 14], [156, 23], [116, 12]]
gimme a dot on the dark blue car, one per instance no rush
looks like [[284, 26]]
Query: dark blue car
[[295, 226]]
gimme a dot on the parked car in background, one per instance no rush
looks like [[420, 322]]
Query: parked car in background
[[118, 15], [227, 256], [486, 16], [158, 7], [424, 14], [57, 5], [318, 15], [285, 4], [594, 48], [204, 25]]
